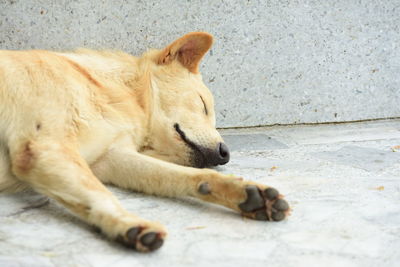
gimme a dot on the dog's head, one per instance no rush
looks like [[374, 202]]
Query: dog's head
[[183, 119]]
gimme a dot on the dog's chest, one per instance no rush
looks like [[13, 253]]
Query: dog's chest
[[95, 139], [100, 136]]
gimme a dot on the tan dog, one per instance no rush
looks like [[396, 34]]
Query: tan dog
[[73, 121]]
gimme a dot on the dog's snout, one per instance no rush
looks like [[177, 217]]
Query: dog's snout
[[205, 156], [223, 153], [217, 156]]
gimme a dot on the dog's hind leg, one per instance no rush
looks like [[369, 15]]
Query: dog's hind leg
[[129, 169], [56, 169], [8, 182]]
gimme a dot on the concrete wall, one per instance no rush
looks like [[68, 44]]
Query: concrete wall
[[273, 61]]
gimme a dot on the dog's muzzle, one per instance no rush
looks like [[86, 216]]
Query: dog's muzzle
[[204, 156]]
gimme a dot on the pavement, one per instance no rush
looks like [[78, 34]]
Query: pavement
[[342, 181]]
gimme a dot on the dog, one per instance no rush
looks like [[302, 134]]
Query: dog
[[74, 121]]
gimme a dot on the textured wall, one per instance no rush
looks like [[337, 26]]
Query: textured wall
[[273, 61]]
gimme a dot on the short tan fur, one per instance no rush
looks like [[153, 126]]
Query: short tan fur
[[74, 121]]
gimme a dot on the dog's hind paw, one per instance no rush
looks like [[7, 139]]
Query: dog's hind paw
[[142, 239], [264, 204]]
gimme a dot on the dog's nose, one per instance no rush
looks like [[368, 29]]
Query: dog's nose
[[216, 156], [223, 153]]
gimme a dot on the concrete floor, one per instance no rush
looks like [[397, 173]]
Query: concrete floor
[[342, 181]]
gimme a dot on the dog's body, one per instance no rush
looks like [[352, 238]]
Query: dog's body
[[70, 121]]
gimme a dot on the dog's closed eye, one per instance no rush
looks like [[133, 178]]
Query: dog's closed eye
[[205, 107]]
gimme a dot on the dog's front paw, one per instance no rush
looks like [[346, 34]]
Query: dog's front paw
[[143, 238], [265, 204]]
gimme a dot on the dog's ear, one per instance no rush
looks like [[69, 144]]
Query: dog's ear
[[189, 50]]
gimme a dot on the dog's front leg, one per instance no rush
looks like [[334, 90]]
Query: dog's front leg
[[129, 169], [58, 171]]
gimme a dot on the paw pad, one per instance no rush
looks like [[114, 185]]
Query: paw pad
[[266, 205], [143, 242], [152, 241], [204, 189], [254, 199]]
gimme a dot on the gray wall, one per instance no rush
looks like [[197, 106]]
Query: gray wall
[[273, 61]]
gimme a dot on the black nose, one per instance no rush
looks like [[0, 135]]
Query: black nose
[[216, 156], [223, 153]]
